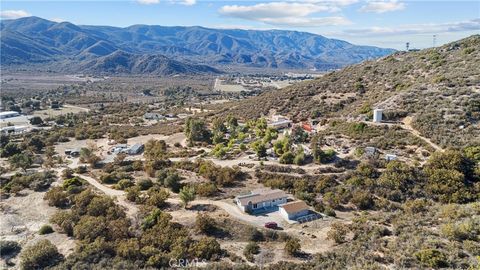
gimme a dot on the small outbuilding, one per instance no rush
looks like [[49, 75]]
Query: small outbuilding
[[377, 115], [294, 210], [390, 157], [153, 116], [135, 149]]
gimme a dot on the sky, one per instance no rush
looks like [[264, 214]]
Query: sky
[[383, 23]]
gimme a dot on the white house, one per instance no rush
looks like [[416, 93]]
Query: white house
[[279, 122], [9, 114], [153, 116], [13, 130], [261, 200], [293, 210]]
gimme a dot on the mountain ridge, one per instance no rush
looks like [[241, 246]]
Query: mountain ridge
[[193, 44]]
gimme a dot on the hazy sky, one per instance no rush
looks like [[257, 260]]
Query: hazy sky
[[385, 23]]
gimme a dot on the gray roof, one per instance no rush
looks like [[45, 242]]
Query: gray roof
[[261, 195]]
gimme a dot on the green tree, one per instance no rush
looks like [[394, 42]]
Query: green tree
[[196, 131], [259, 148], [187, 194], [299, 135], [22, 160], [397, 175], [36, 143], [172, 181], [9, 149], [287, 158], [36, 121]]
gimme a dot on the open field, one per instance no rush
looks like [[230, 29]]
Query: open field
[[65, 109]]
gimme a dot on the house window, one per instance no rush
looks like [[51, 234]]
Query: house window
[[255, 205]]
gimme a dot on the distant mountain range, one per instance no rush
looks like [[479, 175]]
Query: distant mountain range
[[140, 49]]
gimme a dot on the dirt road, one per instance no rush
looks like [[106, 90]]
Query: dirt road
[[132, 209], [407, 121]]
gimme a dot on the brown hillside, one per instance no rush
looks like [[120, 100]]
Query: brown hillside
[[438, 88]]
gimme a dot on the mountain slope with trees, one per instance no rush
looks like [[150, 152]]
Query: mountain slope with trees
[[438, 88]]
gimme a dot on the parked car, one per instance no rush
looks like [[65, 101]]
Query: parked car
[[271, 225]]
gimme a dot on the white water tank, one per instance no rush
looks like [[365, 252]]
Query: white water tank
[[377, 115]]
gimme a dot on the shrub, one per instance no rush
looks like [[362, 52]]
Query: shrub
[[133, 194], [45, 229], [157, 197], [205, 224], [330, 212], [287, 158], [74, 181], [172, 181], [292, 246], [207, 248], [124, 183], [251, 249], [144, 184], [206, 189], [299, 159], [337, 232], [362, 200], [56, 197], [65, 220], [255, 235], [39, 255], [431, 258]]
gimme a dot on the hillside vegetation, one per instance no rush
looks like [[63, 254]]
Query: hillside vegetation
[[438, 88]]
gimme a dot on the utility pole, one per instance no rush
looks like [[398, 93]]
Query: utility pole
[[434, 40]]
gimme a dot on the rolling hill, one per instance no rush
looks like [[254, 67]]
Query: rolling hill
[[35, 40], [438, 88]]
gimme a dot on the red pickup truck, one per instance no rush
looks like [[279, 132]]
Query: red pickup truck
[[271, 225]]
